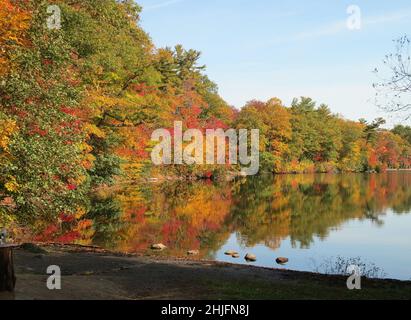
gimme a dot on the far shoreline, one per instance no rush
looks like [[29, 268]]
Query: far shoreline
[[236, 175]]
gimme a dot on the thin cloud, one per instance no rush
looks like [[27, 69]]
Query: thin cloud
[[162, 5], [327, 30], [323, 31], [392, 17], [341, 26]]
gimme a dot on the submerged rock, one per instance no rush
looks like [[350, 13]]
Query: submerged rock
[[193, 252], [281, 260], [250, 257], [230, 253], [158, 246]]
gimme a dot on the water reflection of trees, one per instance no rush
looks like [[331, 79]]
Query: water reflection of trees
[[264, 209], [261, 210], [183, 216], [269, 209]]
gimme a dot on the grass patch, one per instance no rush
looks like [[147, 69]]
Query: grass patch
[[319, 287]]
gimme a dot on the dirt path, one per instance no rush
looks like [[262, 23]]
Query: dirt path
[[97, 274]]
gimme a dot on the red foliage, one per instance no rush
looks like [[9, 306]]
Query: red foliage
[[67, 217], [137, 216], [214, 123], [71, 187], [142, 89], [69, 111], [47, 62], [37, 131], [47, 233], [208, 175], [373, 159], [318, 157], [68, 237], [170, 229]]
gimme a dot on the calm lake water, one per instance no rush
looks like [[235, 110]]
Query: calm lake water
[[309, 219]]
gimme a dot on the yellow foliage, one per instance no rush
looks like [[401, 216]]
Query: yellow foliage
[[86, 148], [13, 23], [80, 179], [86, 230], [7, 129], [11, 185], [93, 129], [80, 212]]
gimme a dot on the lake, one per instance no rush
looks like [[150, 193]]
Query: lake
[[310, 219]]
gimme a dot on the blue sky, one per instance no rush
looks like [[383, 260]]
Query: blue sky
[[257, 49]]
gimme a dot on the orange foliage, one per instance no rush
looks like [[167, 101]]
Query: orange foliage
[[13, 22]]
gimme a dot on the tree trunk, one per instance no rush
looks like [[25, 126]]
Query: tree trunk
[[7, 277]]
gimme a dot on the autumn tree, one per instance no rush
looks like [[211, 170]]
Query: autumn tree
[[45, 174]]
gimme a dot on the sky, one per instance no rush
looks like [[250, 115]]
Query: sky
[[258, 49]]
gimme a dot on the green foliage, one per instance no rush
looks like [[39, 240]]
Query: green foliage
[[403, 131], [105, 168]]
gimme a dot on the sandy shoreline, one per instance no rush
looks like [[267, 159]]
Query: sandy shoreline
[[90, 273]]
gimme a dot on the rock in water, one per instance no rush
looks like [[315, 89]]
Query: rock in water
[[250, 257], [281, 260], [158, 246], [230, 252], [193, 252], [236, 255]]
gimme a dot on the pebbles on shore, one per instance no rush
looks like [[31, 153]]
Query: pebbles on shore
[[281, 260], [158, 246], [250, 257]]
